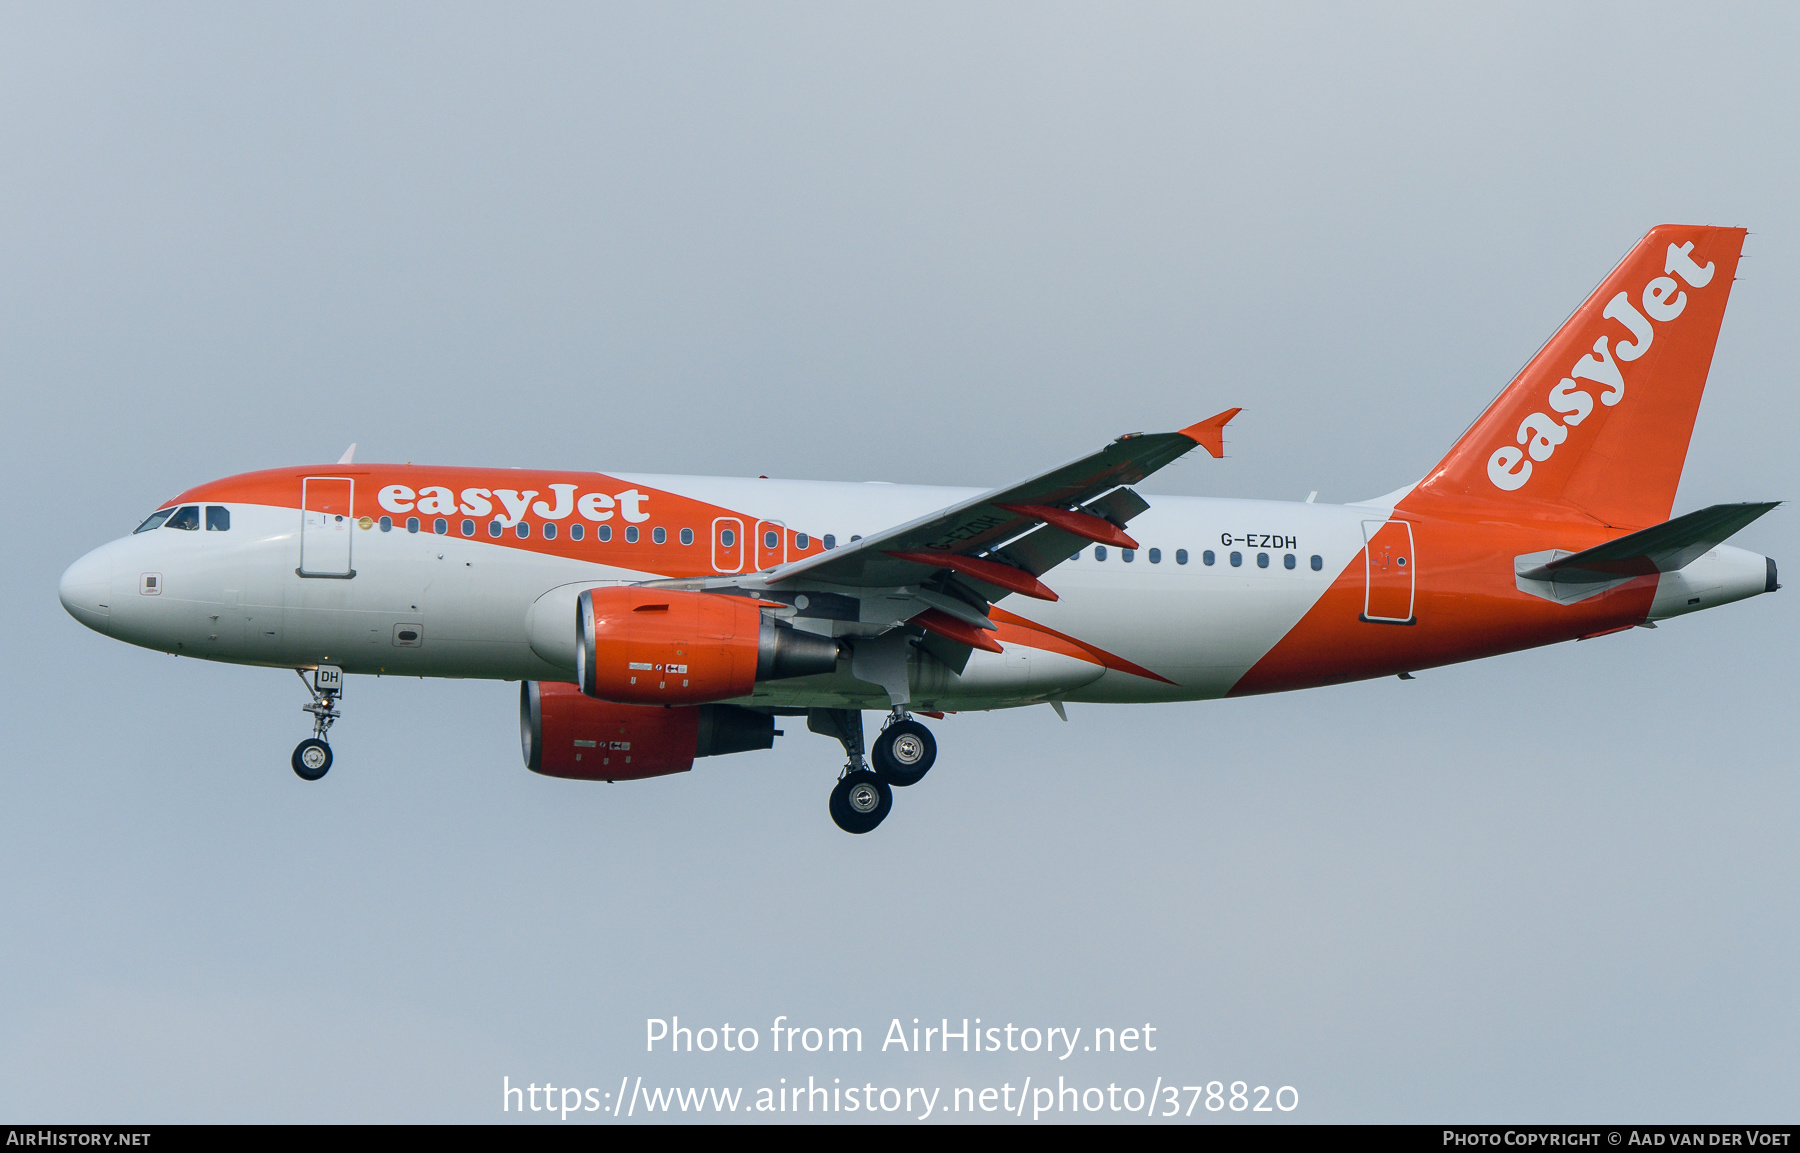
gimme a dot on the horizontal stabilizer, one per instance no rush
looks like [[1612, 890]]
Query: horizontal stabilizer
[[1666, 547]]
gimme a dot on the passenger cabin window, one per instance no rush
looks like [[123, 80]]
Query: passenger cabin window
[[1288, 561], [440, 526], [153, 521], [386, 523], [687, 536], [801, 541], [1318, 562], [576, 532], [1180, 556], [1155, 556], [522, 530], [1262, 560], [412, 524], [1099, 552], [831, 540], [659, 534], [1237, 560], [468, 528], [218, 518], [549, 530], [186, 518], [494, 528], [1127, 555], [604, 533], [631, 534], [1208, 557]]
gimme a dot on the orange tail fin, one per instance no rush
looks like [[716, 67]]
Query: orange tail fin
[[1598, 422]]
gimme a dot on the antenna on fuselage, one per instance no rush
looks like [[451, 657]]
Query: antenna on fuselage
[[348, 453]]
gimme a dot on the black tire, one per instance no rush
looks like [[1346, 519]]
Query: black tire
[[904, 753], [860, 801], [312, 759]]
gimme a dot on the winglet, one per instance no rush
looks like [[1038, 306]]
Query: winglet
[[1209, 434], [348, 453]]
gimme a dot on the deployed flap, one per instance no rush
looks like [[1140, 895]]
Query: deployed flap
[[1665, 547], [978, 524]]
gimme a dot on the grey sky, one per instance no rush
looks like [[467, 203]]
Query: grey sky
[[919, 244]]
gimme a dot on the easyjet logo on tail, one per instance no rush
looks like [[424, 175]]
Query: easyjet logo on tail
[[1662, 301]]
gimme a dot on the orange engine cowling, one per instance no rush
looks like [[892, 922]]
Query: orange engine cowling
[[567, 734], [645, 646]]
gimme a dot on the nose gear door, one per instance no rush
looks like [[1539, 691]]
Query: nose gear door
[[327, 506]]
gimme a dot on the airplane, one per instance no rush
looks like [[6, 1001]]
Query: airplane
[[655, 620]]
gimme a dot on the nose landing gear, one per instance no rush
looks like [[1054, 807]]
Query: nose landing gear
[[312, 757]]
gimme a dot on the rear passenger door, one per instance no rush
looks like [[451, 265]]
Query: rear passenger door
[[1389, 571]]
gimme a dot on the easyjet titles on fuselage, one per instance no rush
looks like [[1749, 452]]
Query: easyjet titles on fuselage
[[439, 500]]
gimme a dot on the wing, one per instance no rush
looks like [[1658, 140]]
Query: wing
[[1002, 540], [941, 572]]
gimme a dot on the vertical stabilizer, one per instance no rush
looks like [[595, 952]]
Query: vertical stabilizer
[[1597, 424]]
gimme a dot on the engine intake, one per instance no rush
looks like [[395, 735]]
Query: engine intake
[[645, 646]]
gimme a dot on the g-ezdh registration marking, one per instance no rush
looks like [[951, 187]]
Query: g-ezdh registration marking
[[654, 620], [1260, 540]]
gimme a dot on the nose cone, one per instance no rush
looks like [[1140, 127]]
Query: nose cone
[[86, 590]]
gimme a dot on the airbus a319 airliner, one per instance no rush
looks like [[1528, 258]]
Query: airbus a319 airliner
[[652, 620]]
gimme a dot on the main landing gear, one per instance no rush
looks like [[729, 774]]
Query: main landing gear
[[904, 752], [860, 801], [312, 757]]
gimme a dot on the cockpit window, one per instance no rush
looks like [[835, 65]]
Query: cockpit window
[[187, 517], [218, 518], [154, 521]]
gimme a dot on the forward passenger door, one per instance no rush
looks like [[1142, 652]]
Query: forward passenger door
[[326, 526]]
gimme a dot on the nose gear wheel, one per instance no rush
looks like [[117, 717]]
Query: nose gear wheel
[[312, 759]]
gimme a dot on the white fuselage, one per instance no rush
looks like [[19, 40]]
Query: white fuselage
[[425, 604]]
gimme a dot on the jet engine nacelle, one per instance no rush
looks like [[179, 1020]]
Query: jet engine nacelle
[[567, 734], [644, 646]]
